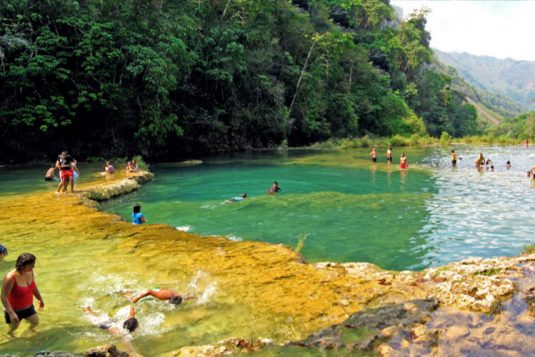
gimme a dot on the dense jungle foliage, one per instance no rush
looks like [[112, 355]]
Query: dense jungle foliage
[[177, 78]]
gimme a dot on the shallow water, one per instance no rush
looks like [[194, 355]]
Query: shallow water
[[340, 207]]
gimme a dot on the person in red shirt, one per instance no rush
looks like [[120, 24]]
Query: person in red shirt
[[18, 290]]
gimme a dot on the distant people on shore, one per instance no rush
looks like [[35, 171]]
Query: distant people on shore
[[403, 163], [163, 294], [137, 216], [526, 142], [237, 198], [274, 188], [67, 166], [50, 174], [18, 291], [389, 156], [373, 155]]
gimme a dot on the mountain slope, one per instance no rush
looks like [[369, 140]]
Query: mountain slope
[[510, 78]]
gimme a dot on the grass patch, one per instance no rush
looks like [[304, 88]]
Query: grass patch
[[489, 272], [528, 249]]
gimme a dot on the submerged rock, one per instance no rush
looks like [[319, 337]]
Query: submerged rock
[[101, 351], [366, 330]]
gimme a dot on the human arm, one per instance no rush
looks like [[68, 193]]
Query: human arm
[[38, 296], [7, 286], [140, 296], [142, 219]]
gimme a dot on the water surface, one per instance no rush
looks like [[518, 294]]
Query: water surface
[[338, 206]]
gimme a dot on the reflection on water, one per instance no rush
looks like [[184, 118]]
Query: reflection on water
[[479, 213]]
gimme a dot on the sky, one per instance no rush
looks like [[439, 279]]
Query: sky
[[502, 29]]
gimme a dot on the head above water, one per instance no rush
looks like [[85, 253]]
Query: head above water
[[176, 300], [137, 208], [3, 250], [244, 195], [25, 260], [131, 324]]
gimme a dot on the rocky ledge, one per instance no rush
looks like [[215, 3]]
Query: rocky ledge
[[474, 307], [133, 182]]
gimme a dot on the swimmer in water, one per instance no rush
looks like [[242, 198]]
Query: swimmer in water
[[237, 198], [114, 328], [274, 188], [163, 294]]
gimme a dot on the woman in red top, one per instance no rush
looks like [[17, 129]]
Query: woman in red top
[[18, 290]]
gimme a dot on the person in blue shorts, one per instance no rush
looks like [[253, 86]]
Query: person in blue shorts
[[137, 216]]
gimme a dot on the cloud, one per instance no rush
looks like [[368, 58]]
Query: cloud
[[494, 28]]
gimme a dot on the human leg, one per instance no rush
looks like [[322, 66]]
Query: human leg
[[33, 320]]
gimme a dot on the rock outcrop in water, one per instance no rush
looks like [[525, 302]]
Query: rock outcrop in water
[[121, 187], [476, 306]]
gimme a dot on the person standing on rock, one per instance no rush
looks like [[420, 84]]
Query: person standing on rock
[[18, 290], [66, 165]]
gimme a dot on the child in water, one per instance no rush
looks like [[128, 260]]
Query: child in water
[[137, 216], [3, 252], [274, 189]]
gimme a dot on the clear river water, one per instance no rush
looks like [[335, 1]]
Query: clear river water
[[338, 206], [334, 206]]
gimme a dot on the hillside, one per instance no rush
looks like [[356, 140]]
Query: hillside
[[491, 107], [510, 78]]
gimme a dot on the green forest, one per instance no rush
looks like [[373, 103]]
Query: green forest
[[173, 79]]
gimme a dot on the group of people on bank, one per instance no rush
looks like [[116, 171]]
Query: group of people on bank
[[403, 161]]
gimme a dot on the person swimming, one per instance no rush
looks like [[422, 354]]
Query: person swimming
[[274, 188], [237, 198], [113, 327], [163, 294]]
